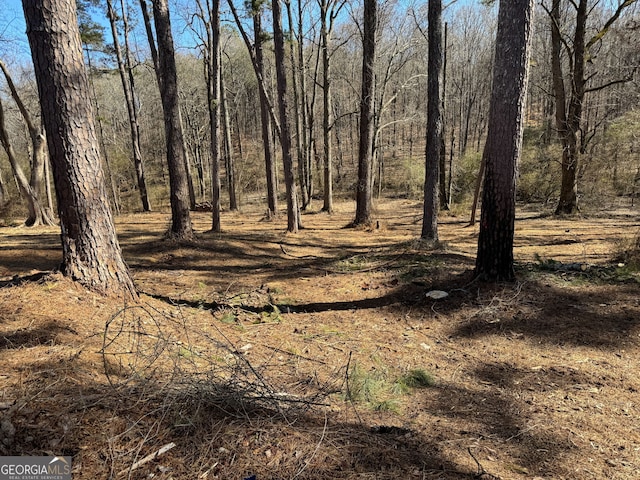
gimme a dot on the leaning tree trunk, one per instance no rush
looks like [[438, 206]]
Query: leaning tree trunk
[[293, 213], [91, 254], [168, 81], [39, 213], [33, 205], [365, 151], [494, 261], [434, 124]]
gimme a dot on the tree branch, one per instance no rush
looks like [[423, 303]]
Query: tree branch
[[611, 83], [598, 36]]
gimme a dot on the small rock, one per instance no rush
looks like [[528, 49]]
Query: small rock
[[436, 294]]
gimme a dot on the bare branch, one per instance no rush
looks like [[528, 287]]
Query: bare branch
[[598, 36]]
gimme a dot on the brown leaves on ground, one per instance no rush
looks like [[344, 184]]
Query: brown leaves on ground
[[283, 356]]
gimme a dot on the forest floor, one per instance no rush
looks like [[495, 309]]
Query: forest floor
[[323, 355]]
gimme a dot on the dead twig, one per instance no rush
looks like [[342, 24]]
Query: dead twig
[[148, 458]]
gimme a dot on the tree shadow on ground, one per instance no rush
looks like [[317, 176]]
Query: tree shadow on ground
[[25, 253], [46, 334], [218, 430], [498, 408], [602, 316]]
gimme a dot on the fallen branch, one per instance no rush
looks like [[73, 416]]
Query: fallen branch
[[148, 458]]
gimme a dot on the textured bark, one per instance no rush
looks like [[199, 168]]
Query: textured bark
[[434, 124], [365, 150], [128, 87], [91, 254], [168, 81], [494, 261], [115, 197], [293, 213]]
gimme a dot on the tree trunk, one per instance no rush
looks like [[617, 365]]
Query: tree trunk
[[565, 121], [101, 143], [39, 213], [298, 105], [187, 165], [327, 107], [270, 167], [228, 147], [128, 88], [494, 261], [168, 80], [445, 199], [305, 123], [293, 214], [365, 150], [33, 204], [213, 96], [3, 192], [91, 254], [434, 123]]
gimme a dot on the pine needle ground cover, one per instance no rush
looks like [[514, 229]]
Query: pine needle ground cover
[[320, 355]]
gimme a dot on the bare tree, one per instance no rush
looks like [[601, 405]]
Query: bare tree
[[91, 254], [33, 191], [570, 93], [128, 87], [267, 111], [329, 11], [293, 213], [494, 261]]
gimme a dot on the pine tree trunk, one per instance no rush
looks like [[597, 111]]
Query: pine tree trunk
[[365, 150], [91, 254], [434, 124], [168, 80], [494, 261]]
